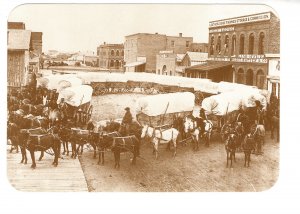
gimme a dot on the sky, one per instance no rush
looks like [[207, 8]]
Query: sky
[[83, 27]]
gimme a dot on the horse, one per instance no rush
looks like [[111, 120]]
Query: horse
[[64, 134], [161, 136], [248, 145], [191, 127], [54, 116], [230, 147]]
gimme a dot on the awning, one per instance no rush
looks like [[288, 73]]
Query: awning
[[209, 66], [134, 64]]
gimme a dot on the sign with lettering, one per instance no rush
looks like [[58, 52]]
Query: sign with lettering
[[219, 30], [242, 58], [241, 20]]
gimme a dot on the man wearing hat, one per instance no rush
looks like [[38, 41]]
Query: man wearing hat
[[127, 120]]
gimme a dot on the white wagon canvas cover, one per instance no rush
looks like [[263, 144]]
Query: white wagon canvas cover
[[77, 95], [161, 109]]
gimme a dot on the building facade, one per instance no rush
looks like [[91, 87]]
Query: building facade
[[243, 42], [141, 50], [18, 58], [111, 56]]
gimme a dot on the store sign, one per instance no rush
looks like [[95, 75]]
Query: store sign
[[241, 20], [219, 30], [242, 58]]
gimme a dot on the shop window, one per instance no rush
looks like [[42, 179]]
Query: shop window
[[242, 44], [240, 76], [260, 79], [261, 43], [218, 46], [251, 43], [233, 45], [212, 45]]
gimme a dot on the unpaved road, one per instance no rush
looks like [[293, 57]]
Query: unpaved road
[[190, 171]]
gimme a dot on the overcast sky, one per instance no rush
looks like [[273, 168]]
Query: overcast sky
[[82, 27]]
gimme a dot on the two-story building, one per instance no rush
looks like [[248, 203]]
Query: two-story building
[[237, 48], [111, 56], [141, 49]]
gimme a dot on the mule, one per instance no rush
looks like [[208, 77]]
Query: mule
[[161, 137], [80, 137], [248, 145], [125, 144], [191, 128], [230, 147], [43, 143], [12, 135]]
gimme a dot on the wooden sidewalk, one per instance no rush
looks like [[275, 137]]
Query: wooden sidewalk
[[66, 177]]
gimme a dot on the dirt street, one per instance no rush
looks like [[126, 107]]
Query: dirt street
[[190, 171]]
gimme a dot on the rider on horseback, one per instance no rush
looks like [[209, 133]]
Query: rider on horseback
[[127, 120]]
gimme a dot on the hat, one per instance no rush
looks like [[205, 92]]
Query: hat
[[127, 108]]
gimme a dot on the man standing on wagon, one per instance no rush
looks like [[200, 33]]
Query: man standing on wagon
[[127, 120]]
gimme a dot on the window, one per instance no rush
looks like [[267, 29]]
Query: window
[[249, 77], [122, 53], [226, 45], [218, 46], [233, 45], [240, 76], [212, 45], [172, 43], [111, 63], [117, 53], [261, 43], [117, 63], [260, 79], [187, 44], [251, 43], [242, 44], [112, 53]]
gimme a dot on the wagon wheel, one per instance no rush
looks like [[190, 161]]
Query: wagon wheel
[[89, 113], [224, 131]]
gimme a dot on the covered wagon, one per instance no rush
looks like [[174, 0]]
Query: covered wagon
[[77, 102], [162, 109]]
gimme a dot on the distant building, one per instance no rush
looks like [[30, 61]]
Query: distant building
[[237, 48], [199, 47], [37, 42], [18, 57], [16, 25], [111, 56], [169, 63], [141, 49]]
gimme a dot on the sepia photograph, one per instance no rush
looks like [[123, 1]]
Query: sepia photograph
[[143, 97]]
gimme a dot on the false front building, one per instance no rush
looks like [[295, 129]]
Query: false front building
[[237, 49]]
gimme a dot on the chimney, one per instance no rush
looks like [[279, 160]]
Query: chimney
[[104, 43], [156, 33], [180, 34]]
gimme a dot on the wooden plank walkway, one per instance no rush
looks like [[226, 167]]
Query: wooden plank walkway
[[66, 177]]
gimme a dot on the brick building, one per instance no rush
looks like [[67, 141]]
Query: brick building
[[111, 56], [199, 47], [140, 49], [237, 48]]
